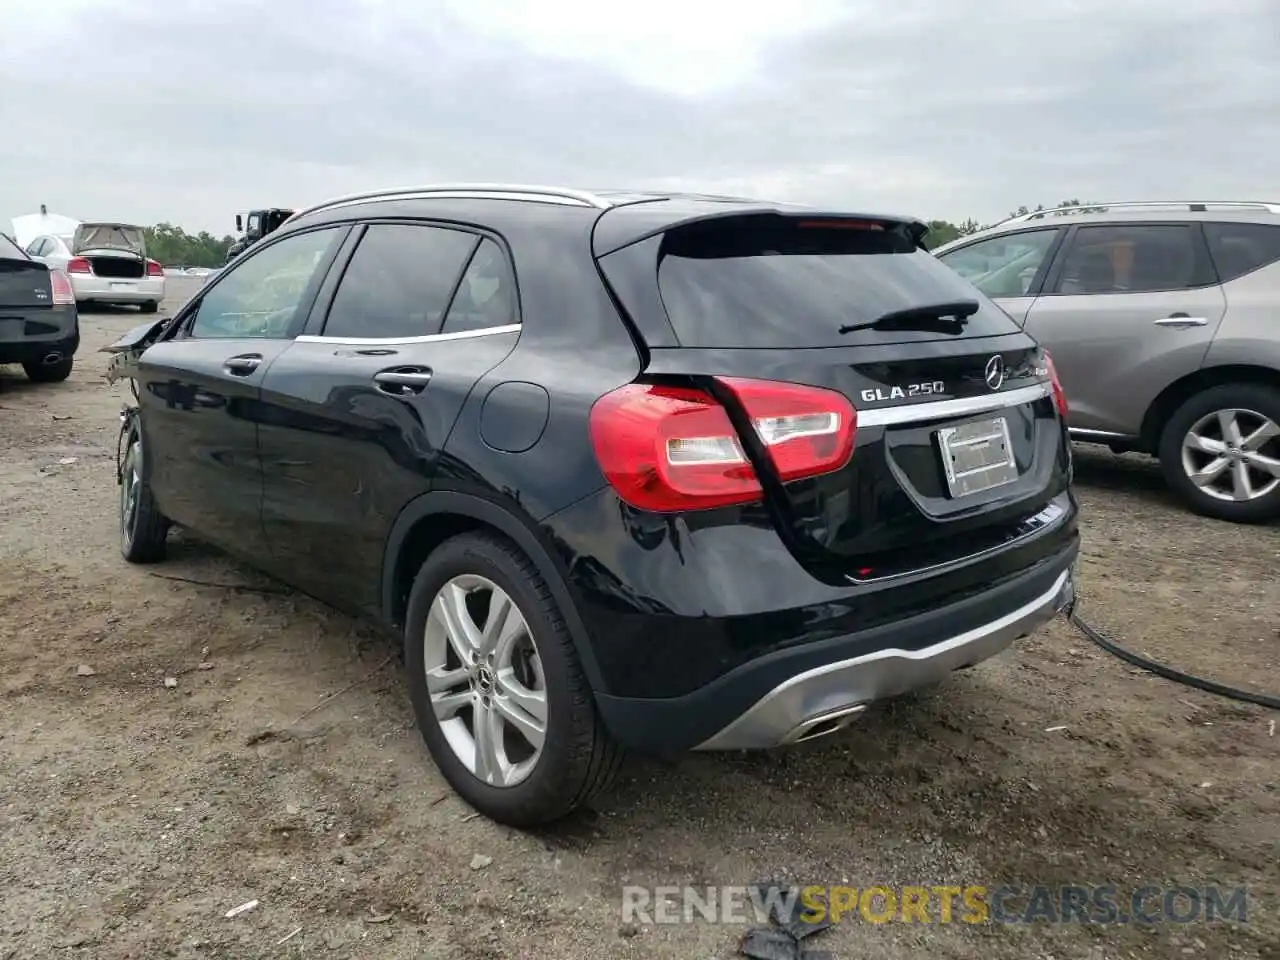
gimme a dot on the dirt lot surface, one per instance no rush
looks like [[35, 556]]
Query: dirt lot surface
[[135, 812]]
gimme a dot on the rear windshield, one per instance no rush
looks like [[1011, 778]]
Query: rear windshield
[[772, 281]]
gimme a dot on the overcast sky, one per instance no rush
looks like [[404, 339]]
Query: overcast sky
[[149, 110]]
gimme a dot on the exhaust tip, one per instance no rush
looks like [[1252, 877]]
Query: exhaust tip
[[51, 357], [824, 724]]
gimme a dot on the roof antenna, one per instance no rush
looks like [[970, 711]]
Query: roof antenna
[[44, 211]]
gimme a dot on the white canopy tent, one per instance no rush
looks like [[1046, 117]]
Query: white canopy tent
[[27, 228]]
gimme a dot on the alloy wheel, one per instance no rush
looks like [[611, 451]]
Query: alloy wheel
[[485, 680], [1233, 454], [130, 487]]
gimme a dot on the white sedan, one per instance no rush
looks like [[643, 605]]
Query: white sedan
[[107, 263]]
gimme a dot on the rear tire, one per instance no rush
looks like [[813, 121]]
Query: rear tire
[[151, 306], [1203, 437], [576, 758], [49, 372], [143, 528]]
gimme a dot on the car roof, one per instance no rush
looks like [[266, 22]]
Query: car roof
[[1134, 212], [619, 216]]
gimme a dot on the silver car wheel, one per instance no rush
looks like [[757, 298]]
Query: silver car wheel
[[485, 680], [130, 488], [1233, 454]]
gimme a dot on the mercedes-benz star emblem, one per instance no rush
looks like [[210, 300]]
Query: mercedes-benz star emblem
[[994, 374]]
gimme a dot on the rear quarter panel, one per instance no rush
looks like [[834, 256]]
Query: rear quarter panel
[[1250, 332], [573, 345]]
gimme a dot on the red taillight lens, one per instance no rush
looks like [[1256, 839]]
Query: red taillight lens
[[674, 448], [60, 284], [154, 269], [1059, 395], [79, 265]]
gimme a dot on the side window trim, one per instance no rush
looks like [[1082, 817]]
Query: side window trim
[[457, 283], [182, 322], [321, 308]]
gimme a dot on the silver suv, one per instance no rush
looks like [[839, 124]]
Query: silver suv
[[1163, 321]]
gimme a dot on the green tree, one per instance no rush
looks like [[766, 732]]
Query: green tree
[[174, 247]]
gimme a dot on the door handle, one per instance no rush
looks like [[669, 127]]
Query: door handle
[[401, 381], [1180, 320], [242, 365]]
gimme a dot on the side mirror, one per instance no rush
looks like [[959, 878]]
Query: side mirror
[[239, 224]]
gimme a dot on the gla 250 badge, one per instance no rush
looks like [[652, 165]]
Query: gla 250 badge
[[881, 394]]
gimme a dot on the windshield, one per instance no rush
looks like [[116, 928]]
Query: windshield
[[769, 281]]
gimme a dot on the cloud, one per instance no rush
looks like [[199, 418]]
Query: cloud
[[189, 112]]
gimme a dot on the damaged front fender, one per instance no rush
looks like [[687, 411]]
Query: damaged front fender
[[126, 351]]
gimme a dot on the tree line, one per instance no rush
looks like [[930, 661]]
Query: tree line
[[174, 247]]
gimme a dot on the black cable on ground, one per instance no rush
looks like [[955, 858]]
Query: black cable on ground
[[1177, 676]]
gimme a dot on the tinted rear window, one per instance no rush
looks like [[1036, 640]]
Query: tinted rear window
[[1240, 248], [774, 281]]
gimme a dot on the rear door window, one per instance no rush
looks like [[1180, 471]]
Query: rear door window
[[486, 298], [770, 281], [1240, 248], [1118, 258], [399, 282]]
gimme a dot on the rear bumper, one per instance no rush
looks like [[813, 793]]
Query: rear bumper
[[43, 333], [707, 633], [801, 692], [106, 290], [37, 350], [823, 699]]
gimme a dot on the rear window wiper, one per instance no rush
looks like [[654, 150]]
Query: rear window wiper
[[944, 317]]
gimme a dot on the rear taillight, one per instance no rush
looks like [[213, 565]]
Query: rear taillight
[[79, 265], [666, 448], [154, 269], [1059, 395], [60, 284]]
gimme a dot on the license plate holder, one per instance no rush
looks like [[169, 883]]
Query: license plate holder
[[124, 285], [12, 328], [977, 456]]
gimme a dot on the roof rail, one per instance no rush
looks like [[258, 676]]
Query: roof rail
[[481, 190], [1197, 206]]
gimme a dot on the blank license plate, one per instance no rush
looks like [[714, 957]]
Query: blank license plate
[[125, 285], [977, 456]]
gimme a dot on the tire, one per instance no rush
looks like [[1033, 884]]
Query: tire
[[150, 306], [143, 528], [49, 372], [1251, 405], [577, 759]]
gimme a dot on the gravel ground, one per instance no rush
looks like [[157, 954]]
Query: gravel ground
[[135, 812]]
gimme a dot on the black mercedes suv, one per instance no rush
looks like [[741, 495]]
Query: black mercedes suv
[[621, 470]]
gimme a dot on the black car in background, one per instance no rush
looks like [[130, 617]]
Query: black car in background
[[39, 323], [622, 470]]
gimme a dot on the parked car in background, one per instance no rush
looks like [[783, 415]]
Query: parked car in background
[[621, 470], [1162, 320], [39, 324], [107, 264]]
